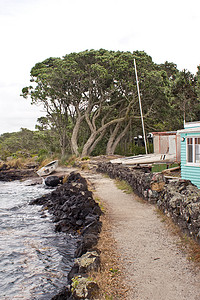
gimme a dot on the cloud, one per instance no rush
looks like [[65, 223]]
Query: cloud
[[16, 112], [34, 30]]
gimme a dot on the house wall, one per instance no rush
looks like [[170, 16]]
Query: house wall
[[167, 143], [191, 173], [156, 144], [178, 147]]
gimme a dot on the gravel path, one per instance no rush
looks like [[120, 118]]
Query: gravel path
[[155, 268]]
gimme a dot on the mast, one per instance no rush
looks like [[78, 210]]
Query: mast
[[138, 90]]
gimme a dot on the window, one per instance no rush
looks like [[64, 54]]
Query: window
[[193, 150], [197, 150]]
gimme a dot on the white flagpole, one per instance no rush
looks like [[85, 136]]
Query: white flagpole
[[138, 90]]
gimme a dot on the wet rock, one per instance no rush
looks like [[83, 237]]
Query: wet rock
[[3, 167], [16, 174], [75, 211], [90, 261], [84, 288], [52, 181], [63, 295], [94, 227], [87, 242]]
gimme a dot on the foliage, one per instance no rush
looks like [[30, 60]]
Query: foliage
[[75, 282], [85, 158], [114, 271], [91, 100], [95, 92], [184, 101], [26, 143]]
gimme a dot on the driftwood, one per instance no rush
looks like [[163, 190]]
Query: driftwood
[[171, 169]]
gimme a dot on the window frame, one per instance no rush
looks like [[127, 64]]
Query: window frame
[[193, 163]]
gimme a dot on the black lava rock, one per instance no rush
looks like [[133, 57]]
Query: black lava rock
[[74, 210], [52, 181]]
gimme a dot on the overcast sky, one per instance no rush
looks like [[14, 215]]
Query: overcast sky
[[33, 30]]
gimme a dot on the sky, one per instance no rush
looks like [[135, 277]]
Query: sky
[[33, 30]]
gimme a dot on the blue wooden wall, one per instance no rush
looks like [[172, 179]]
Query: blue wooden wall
[[191, 173]]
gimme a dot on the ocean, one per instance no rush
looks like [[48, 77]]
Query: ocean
[[34, 259]]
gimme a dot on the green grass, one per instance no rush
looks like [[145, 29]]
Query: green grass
[[124, 186], [186, 243], [161, 167]]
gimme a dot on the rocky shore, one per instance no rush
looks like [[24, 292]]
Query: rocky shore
[[10, 174], [74, 211]]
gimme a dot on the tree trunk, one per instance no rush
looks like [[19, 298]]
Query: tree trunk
[[74, 138], [63, 145], [88, 144], [96, 142], [95, 133], [112, 147], [111, 139]]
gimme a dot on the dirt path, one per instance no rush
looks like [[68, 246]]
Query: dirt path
[[155, 268]]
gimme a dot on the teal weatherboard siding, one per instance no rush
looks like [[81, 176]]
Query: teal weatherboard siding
[[191, 173]]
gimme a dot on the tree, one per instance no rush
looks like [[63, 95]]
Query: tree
[[26, 142], [48, 92], [198, 90], [97, 90], [185, 102]]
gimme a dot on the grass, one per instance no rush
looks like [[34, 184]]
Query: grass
[[124, 186], [192, 248], [91, 188], [161, 167], [84, 166], [101, 205], [18, 163], [110, 277], [186, 243]]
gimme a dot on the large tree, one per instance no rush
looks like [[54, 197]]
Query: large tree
[[97, 90], [184, 102]]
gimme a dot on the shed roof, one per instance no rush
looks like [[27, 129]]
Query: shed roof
[[192, 124], [189, 130], [190, 127], [164, 133]]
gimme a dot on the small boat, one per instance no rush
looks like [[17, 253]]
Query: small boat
[[145, 159], [48, 169]]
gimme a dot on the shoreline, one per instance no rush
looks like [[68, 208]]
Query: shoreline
[[74, 211], [109, 283], [118, 273]]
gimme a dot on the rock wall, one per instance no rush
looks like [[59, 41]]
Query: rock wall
[[180, 199]]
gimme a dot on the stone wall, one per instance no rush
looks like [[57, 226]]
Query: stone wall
[[178, 198]]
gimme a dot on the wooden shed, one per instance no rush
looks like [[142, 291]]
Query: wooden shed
[[167, 142], [190, 152]]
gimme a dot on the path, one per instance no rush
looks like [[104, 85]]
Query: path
[[155, 267]]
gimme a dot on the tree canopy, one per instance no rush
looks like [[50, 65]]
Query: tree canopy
[[91, 96]]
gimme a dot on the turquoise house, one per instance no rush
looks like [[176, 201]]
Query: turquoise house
[[190, 152]]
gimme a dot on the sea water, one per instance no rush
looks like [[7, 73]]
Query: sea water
[[34, 259]]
